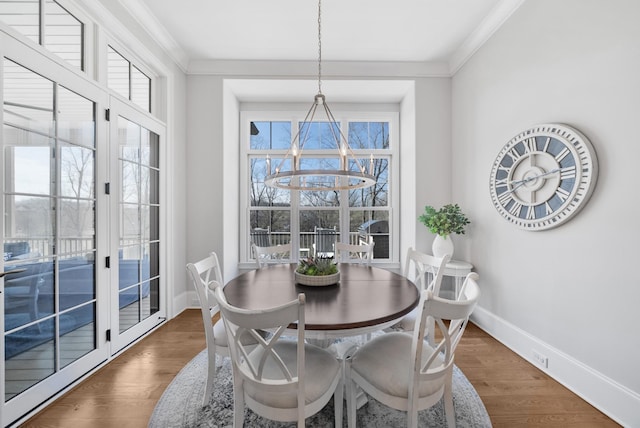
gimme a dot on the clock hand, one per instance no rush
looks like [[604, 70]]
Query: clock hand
[[520, 183], [526, 180], [516, 187]]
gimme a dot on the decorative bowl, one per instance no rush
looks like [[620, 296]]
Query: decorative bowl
[[317, 280]]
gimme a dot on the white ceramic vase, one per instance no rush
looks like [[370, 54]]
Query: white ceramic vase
[[442, 246]]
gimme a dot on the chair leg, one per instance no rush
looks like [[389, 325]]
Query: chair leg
[[238, 402], [412, 419], [338, 401], [351, 394], [211, 376], [449, 410]]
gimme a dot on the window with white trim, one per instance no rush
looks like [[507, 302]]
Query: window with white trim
[[48, 24], [124, 78], [275, 216]]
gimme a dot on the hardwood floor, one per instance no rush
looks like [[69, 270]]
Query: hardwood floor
[[124, 393]]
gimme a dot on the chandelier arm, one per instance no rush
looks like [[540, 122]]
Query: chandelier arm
[[350, 152], [307, 120], [311, 112]]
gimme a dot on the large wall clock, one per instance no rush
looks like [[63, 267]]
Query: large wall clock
[[543, 176]]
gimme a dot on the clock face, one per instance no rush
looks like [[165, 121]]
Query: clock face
[[543, 176]]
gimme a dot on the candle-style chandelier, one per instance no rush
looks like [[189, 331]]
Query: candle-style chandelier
[[350, 175]]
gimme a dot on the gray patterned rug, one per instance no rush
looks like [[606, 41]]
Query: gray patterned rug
[[181, 405]]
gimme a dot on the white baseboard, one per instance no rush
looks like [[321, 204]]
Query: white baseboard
[[182, 302], [616, 401]]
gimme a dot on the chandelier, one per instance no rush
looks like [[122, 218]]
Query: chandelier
[[350, 174]]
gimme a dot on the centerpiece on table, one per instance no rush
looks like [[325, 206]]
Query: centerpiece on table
[[443, 222], [317, 271]]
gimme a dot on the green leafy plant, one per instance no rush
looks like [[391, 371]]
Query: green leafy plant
[[445, 221], [317, 266]]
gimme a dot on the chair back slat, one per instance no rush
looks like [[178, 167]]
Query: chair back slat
[[354, 253], [451, 318], [272, 254], [325, 241], [203, 273], [252, 362], [418, 265]]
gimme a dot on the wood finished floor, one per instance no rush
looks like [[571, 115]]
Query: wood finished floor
[[124, 393]]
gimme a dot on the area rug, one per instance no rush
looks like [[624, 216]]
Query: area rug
[[181, 405]]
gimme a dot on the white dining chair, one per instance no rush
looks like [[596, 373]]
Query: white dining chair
[[402, 370], [354, 253], [204, 274], [280, 379], [272, 254], [420, 266], [324, 244]]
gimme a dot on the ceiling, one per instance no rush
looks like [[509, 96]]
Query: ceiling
[[424, 31]]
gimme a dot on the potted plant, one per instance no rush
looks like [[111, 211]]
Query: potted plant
[[317, 271], [443, 222]]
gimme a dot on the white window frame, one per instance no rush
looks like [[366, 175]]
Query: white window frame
[[87, 42], [368, 113]]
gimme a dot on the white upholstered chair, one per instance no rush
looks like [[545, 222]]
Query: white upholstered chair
[[405, 372], [419, 267], [205, 274], [355, 253], [272, 254], [280, 379]]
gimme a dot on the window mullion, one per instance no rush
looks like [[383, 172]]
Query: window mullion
[[41, 22]]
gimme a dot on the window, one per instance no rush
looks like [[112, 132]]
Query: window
[[314, 220], [48, 24], [127, 80]]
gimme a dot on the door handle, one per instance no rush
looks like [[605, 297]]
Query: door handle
[[9, 272]]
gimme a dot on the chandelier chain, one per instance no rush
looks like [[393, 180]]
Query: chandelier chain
[[319, 46]]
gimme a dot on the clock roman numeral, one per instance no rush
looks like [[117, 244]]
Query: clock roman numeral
[[562, 194], [530, 145], [568, 172], [562, 154], [505, 198], [531, 212], [501, 183], [513, 153], [546, 144], [547, 208], [516, 208]]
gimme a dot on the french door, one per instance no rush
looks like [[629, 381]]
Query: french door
[[80, 232], [52, 312], [135, 142]]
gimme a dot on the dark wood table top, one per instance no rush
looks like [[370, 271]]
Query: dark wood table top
[[364, 297]]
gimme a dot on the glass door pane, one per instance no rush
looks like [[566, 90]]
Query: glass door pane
[[138, 249], [49, 228], [136, 141]]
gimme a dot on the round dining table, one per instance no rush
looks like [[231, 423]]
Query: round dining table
[[365, 299]]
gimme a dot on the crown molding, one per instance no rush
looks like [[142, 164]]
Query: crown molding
[[140, 12], [492, 22], [147, 20], [309, 69]]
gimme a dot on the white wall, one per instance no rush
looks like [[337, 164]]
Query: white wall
[[204, 219], [570, 292], [432, 158]]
